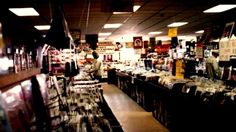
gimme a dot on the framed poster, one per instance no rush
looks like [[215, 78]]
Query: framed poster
[[129, 44], [227, 32], [138, 42]]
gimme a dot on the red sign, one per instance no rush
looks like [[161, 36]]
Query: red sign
[[162, 49], [138, 42]]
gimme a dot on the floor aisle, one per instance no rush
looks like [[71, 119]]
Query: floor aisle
[[131, 116]]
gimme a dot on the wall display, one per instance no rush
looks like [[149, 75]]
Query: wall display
[[138, 42], [232, 44], [224, 49], [226, 46]]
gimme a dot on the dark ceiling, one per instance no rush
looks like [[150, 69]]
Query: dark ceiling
[[89, 16]]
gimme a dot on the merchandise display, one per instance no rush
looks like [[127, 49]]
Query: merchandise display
[[76, 103], [173, 100], [52, 80]]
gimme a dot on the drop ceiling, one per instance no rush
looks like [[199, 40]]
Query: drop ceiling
[[154, 15]]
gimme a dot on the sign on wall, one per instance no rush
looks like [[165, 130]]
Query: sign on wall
[[105, 48], [138, 42], [172, 32], [199, 51], [224, 50]]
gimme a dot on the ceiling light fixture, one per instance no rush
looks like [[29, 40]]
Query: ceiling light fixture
[[200, 31], [154, 33], [42, 27], [104, 34], [136, 7], [220, 8], [121, 13], [101, 39], [177, 24], [114, 25], [24, 11]]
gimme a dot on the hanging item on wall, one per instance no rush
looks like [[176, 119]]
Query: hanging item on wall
[[129, 45], [227, 32], [224, 49], [118, 46], [172, 32], [138, 42], [232, 43], [199, 50], [179, 71]]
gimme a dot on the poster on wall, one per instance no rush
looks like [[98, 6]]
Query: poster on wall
[[227, 32], [224, 49], [129, 44], [105, 48], [138, 42], [179, 73], [199, 51], [232, 44]]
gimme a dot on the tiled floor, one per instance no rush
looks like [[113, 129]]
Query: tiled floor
[[131, 116]]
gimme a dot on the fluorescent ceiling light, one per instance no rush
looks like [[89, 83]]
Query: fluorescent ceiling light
[[42, 27], [219, 8], [114, 25], [136, 7], [200, 31], [100, 39], [104, 34], [154, 33], [24, 11], [177, 24], [121, 13]]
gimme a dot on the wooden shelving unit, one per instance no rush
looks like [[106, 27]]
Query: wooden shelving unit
[[6, 81]]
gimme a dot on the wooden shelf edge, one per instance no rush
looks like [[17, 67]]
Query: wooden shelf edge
[[11, 79]]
